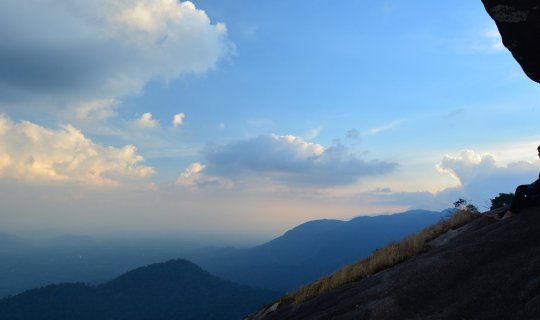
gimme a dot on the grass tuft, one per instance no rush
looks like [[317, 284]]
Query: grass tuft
[[381, 259]]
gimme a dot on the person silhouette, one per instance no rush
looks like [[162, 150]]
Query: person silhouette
[[527, 195]]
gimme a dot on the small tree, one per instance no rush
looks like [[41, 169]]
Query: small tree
[[503, 199], [462, 204]]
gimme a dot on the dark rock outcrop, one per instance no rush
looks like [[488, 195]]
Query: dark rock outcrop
[[519, 25], [484, 270]]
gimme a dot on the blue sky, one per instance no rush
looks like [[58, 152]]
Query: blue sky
[[244, 118]]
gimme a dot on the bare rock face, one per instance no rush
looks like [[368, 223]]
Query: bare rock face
[[519, 25]]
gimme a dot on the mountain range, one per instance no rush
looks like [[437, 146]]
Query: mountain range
[[313, 249], [483, 270], [301, 255], [27, 263]]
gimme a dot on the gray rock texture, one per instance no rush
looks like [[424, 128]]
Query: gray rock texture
[[519, 25]]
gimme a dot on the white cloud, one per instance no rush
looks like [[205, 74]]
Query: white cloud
[[178, 119], [355, 134], [194, 177], [480, 178], [32, 153], [494, 39], [64, 52], [485, 40], [96, 110], [385, 127], [291, 160], [146, 121], [190, 175], [313, 133], [221, 126], [467, 166]]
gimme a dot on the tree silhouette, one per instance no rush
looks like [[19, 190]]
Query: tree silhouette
[[462, 204], [503, 199]]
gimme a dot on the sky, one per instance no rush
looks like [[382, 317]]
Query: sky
[[241, 119]]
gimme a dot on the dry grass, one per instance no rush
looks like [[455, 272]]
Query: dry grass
[[388, 256]]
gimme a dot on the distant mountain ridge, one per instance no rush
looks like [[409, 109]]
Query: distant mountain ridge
[[27, 262], [177, 289], [313, 249], [303, 250]]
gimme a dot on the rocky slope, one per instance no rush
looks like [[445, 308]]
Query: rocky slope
[[519, 25], [484, 270]]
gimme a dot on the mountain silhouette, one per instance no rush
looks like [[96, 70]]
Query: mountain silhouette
[[177, 289], [313, 249]]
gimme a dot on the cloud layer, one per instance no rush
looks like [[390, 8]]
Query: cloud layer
[[194, 178], [480, 179], [291, 160], [33, 153], [480, 176], [74, 51]]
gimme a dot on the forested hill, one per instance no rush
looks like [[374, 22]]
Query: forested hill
[[177, 289]]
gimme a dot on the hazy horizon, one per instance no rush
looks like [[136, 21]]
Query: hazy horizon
[[44, 257], [43, 236]]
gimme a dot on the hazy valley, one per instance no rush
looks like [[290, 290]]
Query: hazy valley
[[299, 256]]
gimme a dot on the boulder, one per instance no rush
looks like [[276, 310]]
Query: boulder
[[518, 22]]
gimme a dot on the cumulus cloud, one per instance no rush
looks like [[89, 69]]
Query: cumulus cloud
[[31, 153], [194, 177], [292, 160], [71, 51], [481, 178], [467, 166], [178, 119], [146, 121]]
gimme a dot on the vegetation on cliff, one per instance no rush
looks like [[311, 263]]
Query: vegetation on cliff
[[386, 257]]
